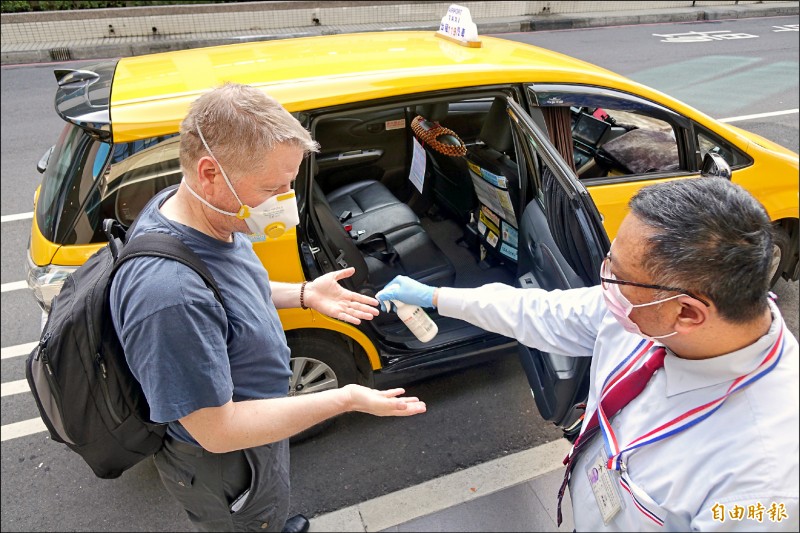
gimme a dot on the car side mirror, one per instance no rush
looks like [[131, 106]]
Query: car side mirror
[[41, 166], [715, 166]]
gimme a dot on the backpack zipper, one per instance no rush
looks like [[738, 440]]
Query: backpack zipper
[[98, 359], [50, 376], [42, 354], [43, 348]]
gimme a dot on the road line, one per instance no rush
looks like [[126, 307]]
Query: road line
[[14, 387], [21, 429], [18, 216], [15, 351], [759, 115], [13, 286], [450, 490]]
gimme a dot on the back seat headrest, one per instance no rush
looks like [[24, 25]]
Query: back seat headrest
[[433, 112], [496, 130]]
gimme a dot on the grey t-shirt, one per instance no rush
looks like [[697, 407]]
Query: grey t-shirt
[[188, 352]]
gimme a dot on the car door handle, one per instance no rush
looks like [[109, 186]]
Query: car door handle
[[360, 154]]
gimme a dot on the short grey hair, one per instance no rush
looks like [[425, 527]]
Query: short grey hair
[[710, 237], [238, 122]]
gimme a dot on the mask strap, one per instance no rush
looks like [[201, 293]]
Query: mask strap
[[224, 175], [217, 209]]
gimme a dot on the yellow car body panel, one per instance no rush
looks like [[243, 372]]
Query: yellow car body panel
[[308, 319], [281, 259]]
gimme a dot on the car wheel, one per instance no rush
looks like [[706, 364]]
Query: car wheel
[[782, 253], [318, 364]]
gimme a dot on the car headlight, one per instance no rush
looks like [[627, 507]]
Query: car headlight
[[46, 281]]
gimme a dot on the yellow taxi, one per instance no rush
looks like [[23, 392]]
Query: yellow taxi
[[456, 162]]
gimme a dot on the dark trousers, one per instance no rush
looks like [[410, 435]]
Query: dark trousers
[[246, 490]]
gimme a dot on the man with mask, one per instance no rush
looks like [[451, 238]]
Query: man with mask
[[710, 441], [219, 376]]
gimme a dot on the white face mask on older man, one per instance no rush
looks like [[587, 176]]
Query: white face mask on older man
[[273, 217]]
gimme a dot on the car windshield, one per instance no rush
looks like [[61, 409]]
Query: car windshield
[[87, 181]]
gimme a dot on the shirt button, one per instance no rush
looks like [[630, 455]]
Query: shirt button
[[181, 483], [264, 525]]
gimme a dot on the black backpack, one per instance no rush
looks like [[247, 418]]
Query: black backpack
[[86, 394]]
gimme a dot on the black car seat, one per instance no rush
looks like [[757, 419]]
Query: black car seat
[[392, 243], [452, 185], [496, 179]]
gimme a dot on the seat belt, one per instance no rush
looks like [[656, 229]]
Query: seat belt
[[379, 247]]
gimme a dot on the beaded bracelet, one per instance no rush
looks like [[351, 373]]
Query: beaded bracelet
[[302, 295]]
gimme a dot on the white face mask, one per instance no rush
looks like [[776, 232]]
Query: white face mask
[[273, 217], [621, 307]]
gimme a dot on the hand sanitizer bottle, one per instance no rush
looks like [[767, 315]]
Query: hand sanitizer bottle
[[417, 320]]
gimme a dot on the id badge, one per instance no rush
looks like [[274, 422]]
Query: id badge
[[604, 486]]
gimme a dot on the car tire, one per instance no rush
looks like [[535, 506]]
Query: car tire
[[319, 363], [783, 252]]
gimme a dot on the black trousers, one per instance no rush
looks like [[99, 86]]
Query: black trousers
[[246, 490]]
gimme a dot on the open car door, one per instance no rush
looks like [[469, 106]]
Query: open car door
[[562, 244]]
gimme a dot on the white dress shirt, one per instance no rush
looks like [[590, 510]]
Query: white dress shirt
[[742, 459]]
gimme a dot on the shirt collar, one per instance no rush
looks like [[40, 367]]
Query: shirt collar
[[684, 375]]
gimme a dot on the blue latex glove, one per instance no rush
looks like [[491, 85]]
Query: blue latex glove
[[406, 290]]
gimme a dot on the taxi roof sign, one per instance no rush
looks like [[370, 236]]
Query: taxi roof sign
[[457, 26]]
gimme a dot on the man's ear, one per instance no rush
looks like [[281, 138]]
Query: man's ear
[[693, 314], [206, 172]]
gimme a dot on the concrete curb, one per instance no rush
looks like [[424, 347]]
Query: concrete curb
[[133, 46], [447, 491]]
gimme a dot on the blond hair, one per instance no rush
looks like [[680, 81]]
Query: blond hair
[[241, 124]]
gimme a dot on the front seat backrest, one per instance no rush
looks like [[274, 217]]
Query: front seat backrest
[[496, 178], [452, 185]]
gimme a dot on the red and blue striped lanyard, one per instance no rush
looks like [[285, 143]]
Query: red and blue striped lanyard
[[689, 418]]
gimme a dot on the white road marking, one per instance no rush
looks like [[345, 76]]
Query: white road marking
[[15, 351], [758, 115], [13, 286], [21, 429], [18, 216], [14, 387]]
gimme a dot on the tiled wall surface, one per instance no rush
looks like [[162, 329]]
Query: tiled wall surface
[[257, 17]]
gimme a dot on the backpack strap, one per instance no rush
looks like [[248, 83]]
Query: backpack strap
[[168, 247]]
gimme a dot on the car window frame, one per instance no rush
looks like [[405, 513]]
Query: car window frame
[[697, 129]]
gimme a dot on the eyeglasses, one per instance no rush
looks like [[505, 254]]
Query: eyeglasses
[[607, 277]]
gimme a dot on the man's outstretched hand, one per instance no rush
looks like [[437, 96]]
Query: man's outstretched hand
[[325, 295], [383, 402]]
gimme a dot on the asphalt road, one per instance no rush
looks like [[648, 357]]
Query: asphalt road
[[474, 415]]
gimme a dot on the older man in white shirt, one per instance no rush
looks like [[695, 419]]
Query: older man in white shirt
[[711, 441]]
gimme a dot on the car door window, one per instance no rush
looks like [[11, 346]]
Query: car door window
[[615, 136], [708, 142]]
